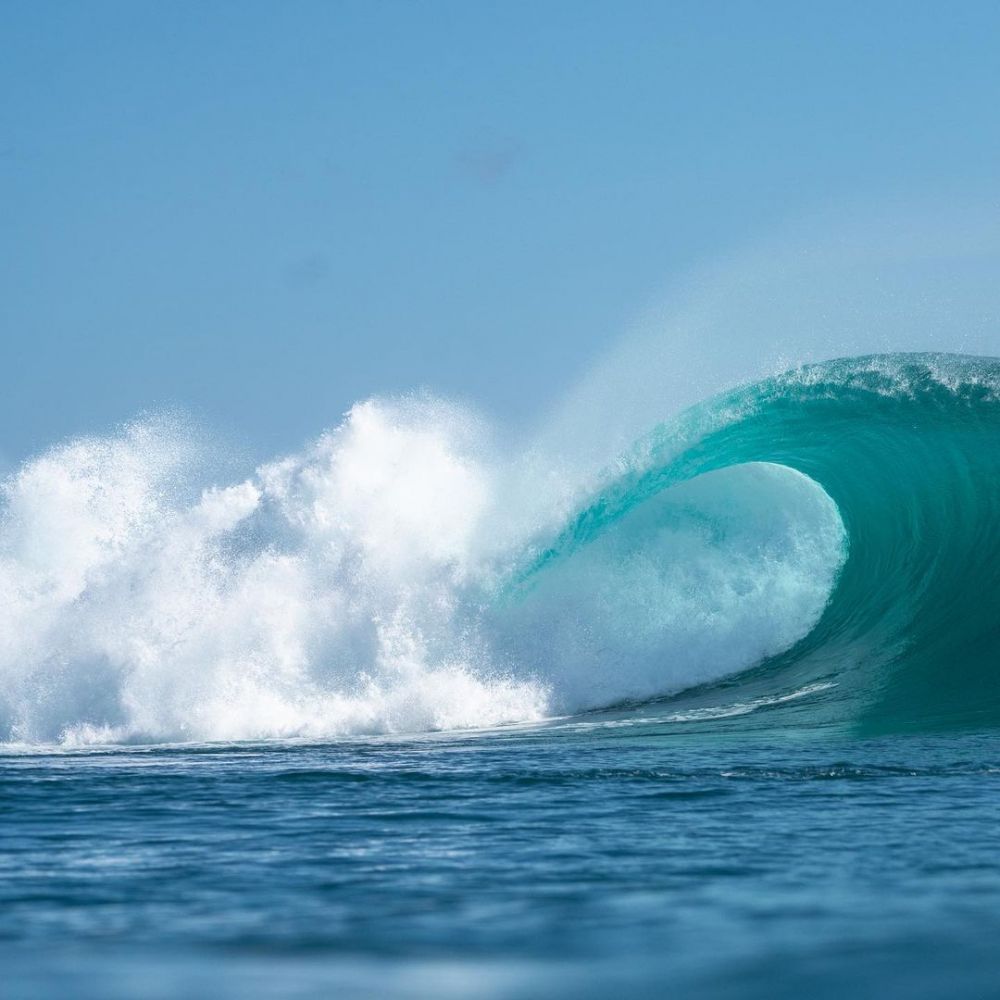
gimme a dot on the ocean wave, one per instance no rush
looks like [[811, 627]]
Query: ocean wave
[[907, 447], [830, 529]]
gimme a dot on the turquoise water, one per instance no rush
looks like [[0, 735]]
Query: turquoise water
[[908, 448], [719, 722]]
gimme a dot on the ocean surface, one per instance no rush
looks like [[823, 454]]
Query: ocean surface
[[408, 714], [574, 860]]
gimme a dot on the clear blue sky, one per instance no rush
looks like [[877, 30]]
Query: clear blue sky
[[262, 212]]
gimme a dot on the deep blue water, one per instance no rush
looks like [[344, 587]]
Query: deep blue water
[[571, 859]]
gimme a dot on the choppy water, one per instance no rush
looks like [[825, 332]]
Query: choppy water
[[409, 714]]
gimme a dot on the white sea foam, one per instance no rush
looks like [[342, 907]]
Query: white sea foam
[[696, 583], [352, 588]]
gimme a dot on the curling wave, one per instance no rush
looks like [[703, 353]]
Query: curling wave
[[830, 531], [908, 449]]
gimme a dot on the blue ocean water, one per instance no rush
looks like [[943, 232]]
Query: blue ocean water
[[403, 715], [570, 860]]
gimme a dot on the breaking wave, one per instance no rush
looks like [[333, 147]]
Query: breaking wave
[[833, 529]]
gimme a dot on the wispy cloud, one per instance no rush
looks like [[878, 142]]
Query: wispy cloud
[[489, 164], [308, 270]]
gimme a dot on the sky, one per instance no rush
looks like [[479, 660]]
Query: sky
[[259, 213]]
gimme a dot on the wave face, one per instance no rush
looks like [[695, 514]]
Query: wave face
[[827, 538]]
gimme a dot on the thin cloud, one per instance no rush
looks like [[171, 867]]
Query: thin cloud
[[489, 164], [308, 270]]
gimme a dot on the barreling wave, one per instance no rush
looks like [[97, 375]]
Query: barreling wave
[[908, 449], [821, 545]]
